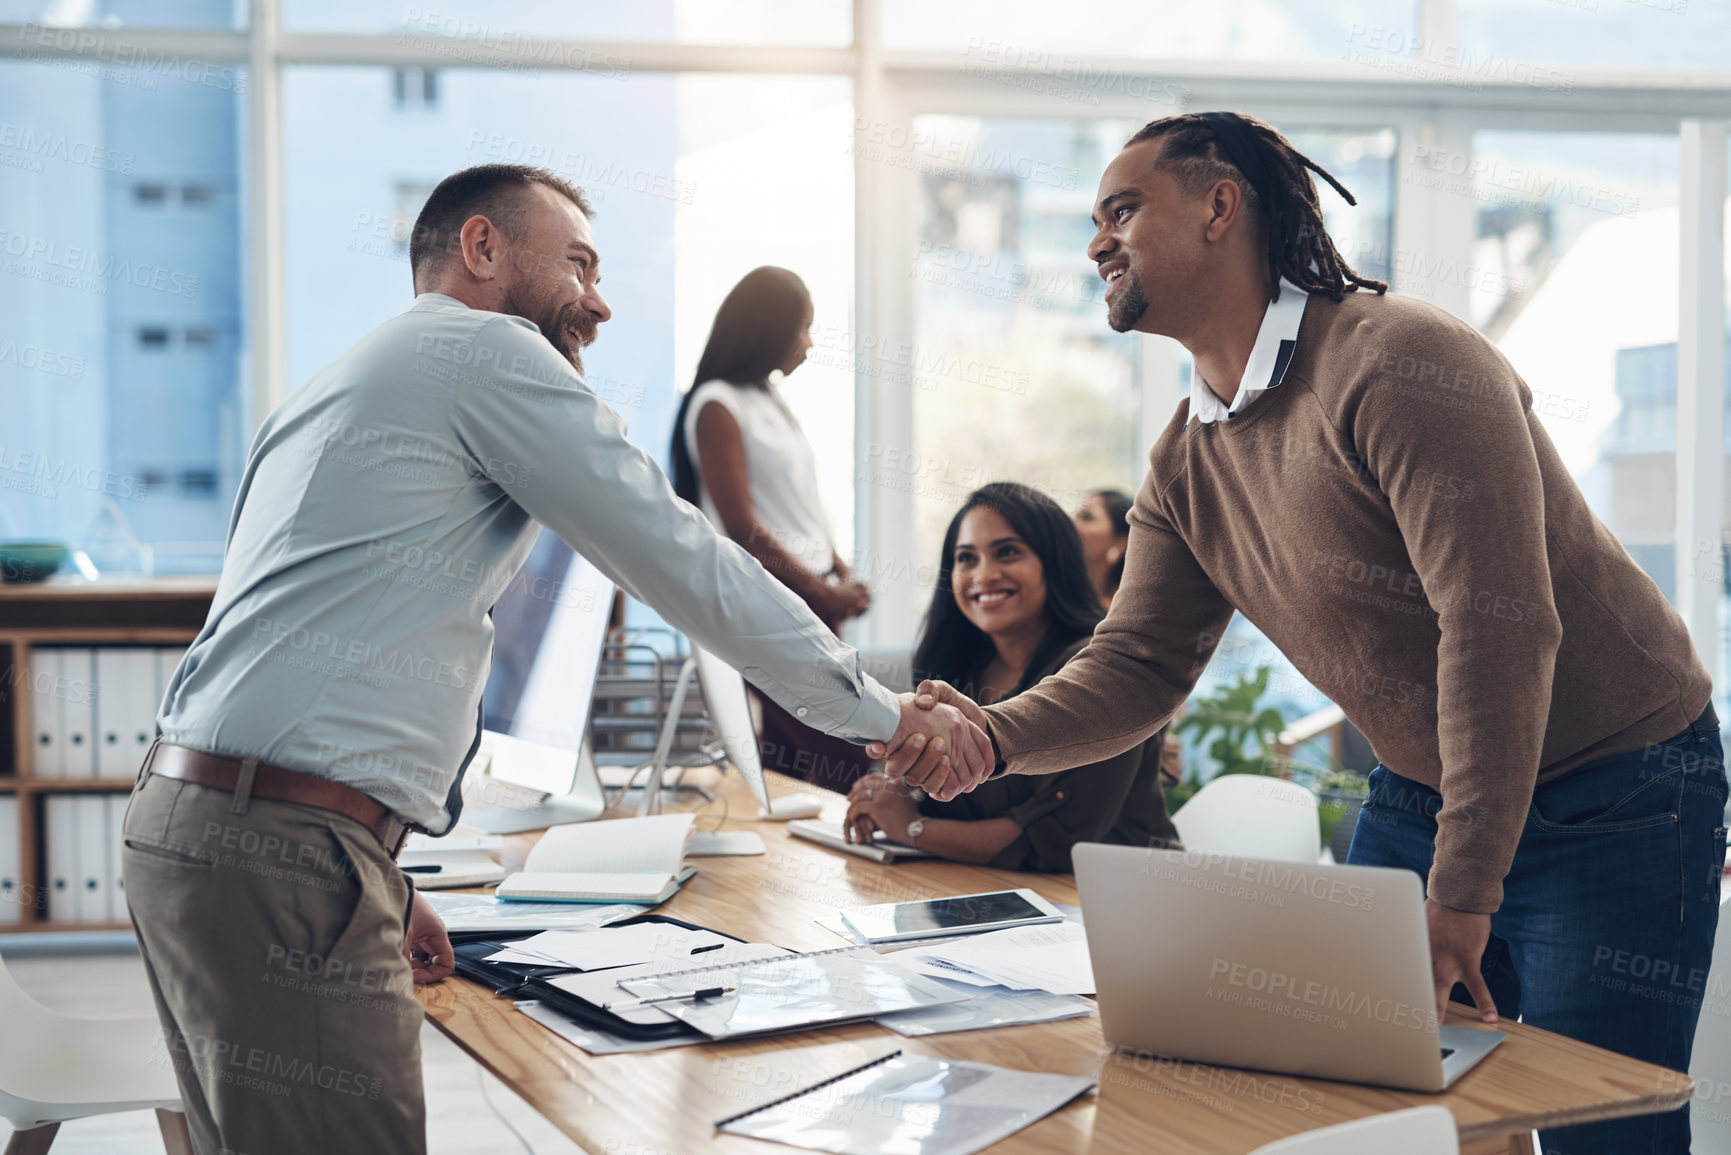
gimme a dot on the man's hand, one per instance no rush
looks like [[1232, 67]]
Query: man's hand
[[941, 745], [1457, 945], [426, 945]]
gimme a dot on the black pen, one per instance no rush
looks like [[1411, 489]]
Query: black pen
[[422, 869]]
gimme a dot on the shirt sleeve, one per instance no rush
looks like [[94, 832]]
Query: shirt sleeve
[[1078, 805], [1476, 557], [1142, 662], [532, 426]]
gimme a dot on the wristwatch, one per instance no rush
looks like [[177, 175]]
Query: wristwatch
[[915, 829]]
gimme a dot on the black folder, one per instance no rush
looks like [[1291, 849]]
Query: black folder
[[525, 981]]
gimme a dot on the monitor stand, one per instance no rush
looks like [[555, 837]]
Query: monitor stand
[[587, 801], [514, 820], [784, 807], [654, 795]]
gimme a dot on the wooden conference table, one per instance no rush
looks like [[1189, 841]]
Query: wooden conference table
[[666, 1102]]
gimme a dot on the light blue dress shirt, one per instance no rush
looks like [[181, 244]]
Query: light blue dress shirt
[[385, 507]]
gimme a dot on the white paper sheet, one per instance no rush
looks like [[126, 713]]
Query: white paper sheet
[[986, 1008], [602, 989], [419, 843], [1050, 957], [944, 969], [798, 991], [619, 946]]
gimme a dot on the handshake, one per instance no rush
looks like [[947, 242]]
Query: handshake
[[941, 744]]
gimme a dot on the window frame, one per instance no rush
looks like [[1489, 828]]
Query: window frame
[[891, 88]]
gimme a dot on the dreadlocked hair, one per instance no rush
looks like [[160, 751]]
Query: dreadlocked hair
[[1299, 247]]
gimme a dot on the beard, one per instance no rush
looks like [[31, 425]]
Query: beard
[[573, 329], [568, 328], [1128, 306]]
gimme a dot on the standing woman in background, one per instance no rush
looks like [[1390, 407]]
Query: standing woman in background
[[740, 455], [1104, 523]]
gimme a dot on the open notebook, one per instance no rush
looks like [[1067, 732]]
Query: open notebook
[[622, 860], [452, 861]]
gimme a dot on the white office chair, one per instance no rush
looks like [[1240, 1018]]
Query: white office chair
[[1252, 816], [55, 1067], [1417, 1131], [1710, 1064]]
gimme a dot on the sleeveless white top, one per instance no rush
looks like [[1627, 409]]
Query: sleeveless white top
[[781, 469]]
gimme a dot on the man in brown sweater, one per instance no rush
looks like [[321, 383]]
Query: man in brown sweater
[[1363, 477]]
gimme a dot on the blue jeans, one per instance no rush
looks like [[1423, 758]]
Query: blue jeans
[[1609, 909]]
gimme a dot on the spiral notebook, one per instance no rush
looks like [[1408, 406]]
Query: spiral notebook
[[911, 1106]]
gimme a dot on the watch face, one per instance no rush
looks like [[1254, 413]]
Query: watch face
[[915, 827]]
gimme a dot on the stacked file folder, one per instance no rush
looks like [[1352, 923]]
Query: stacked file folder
[[93, 709], [11, 879], [82, 844]]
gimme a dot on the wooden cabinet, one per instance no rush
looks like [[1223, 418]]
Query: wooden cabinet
[[36, 622]]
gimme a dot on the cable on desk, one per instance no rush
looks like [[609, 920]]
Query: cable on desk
[[481, 1082]]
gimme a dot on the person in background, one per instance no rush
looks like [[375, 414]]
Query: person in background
[[1552, 765], [740, 455], [1104, 523], [1013, 605]]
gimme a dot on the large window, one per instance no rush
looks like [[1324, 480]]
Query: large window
[[1575, 278], [1041, 38], [1519, 38], [47, 19], [1013, 367], [494, 31], [695, 180], [184, 242], [122, 349]]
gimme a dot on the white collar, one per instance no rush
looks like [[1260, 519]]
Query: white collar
[[1269, 357]]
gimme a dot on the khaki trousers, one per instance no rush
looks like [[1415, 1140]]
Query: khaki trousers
[[272, 934]]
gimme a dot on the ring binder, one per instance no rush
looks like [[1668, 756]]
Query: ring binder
[[800, 1094]]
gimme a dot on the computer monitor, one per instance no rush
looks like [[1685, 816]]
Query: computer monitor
[[548, 630], [730, 713]]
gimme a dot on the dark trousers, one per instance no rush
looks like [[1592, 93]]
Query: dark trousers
[[1609, 909], [272, 935], [791, 747]]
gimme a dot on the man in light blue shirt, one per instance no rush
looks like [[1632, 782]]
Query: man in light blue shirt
[[333, 695]]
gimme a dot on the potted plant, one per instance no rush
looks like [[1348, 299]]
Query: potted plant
[[1339, 795], [1243, 737], [1234, 731]]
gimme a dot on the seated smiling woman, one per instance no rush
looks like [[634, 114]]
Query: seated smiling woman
[[1013, 604]]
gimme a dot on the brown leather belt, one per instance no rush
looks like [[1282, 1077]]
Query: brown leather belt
[[223, 773]]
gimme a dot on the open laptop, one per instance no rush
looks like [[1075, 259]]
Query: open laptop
[[1303, 968]]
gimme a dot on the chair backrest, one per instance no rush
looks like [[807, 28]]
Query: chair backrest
[[1253, 816], [30, 1032], [1710, 1064], [1416, 1131]]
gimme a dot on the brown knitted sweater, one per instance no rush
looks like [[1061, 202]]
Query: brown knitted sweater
[[1395, 519]]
